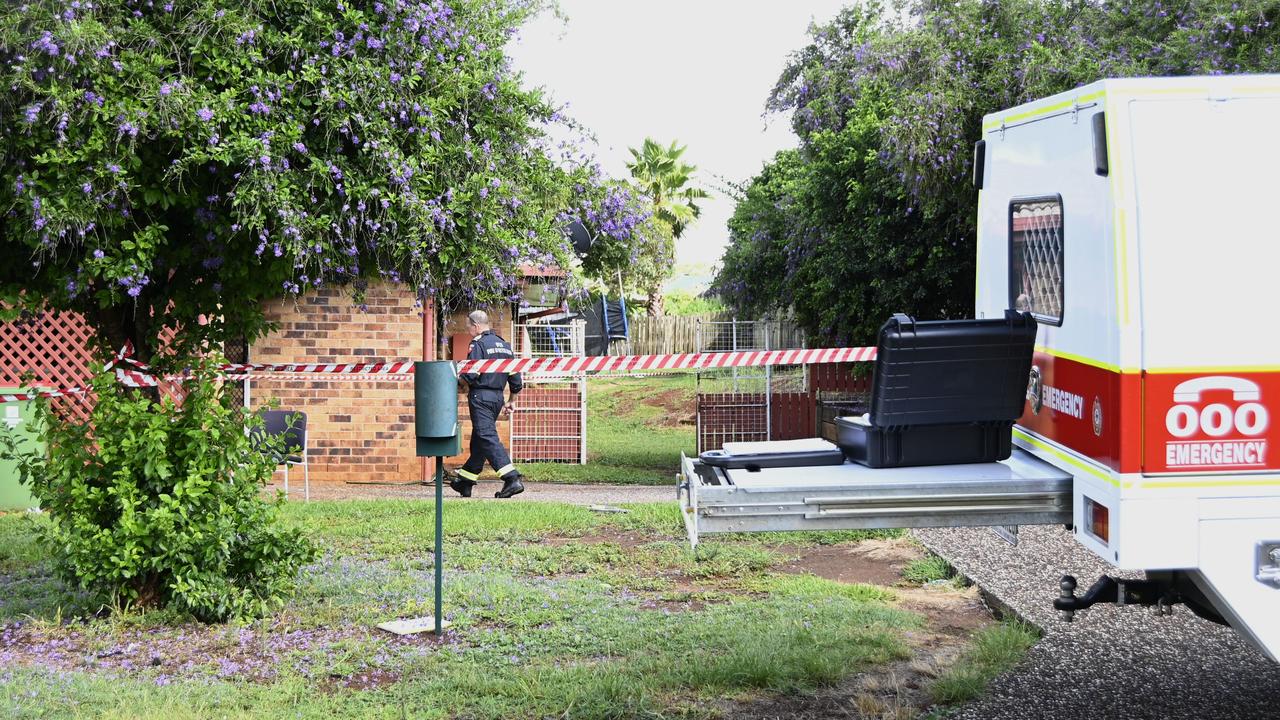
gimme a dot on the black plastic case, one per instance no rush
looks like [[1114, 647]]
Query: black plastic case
[[944, 392], [924, 444]]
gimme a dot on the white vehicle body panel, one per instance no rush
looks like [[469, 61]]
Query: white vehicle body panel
[[1170, 270]]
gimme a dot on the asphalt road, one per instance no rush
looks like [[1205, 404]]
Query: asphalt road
[[1112, 662]]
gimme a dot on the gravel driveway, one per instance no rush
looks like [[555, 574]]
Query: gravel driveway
[[1112, 662]]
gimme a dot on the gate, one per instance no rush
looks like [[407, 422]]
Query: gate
[[770, 403], [549, 422]]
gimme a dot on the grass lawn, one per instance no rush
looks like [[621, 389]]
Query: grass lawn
[[636, 430], [556, 612]]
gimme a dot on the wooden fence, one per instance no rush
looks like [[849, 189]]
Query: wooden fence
[[51, 350], [706, 333], [740, 417]]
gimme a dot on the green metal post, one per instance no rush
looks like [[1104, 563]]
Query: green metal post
[[439, 544]]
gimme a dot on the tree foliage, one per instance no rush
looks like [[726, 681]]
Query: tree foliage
[[636, 223], [176, 162], [667, 181], [632, 252], [873, 214]]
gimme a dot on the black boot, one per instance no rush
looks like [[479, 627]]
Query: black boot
[[511, 485], [461, 485]]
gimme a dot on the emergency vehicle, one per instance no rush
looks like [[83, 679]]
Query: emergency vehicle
[[1138, 221]]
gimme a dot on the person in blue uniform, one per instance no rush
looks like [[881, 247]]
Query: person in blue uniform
[[486, 402]]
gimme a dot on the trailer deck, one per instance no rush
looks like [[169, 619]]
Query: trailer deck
[[1022, 490]]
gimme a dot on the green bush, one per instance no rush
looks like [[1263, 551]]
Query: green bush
[[155, 503], [684, 303]]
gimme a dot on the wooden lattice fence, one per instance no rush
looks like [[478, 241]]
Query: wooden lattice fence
[[54, 349]]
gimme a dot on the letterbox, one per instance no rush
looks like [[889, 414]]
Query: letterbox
[[435, 408]]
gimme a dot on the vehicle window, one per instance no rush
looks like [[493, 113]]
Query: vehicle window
[[1035, 257]]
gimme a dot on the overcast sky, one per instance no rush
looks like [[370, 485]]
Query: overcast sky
[[697, 71]]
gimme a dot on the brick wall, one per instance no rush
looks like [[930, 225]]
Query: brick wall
[[357, 429]]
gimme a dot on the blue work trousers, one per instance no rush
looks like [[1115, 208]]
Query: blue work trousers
[[485, 405]]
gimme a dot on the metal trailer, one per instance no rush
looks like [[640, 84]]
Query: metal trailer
[[1135, 219], [1022, 490]]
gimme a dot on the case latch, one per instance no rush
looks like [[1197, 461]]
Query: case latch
[[1268, 569]]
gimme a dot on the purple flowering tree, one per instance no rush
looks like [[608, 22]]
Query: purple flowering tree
[[167, 160], [874, 214], [633, 251]]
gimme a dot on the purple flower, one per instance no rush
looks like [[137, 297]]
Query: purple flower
[[166, 88], [300, 148], [205, 114], [99, 254], [46, 44]]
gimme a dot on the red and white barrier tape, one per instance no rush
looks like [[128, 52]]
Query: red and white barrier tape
[[131, 373], [132, 378], [399, 367], [682, 361]]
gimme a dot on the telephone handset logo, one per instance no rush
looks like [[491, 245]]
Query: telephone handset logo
[[1250, 418]]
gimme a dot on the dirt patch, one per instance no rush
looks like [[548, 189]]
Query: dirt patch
[[957, 613], [687, 595], [898, 690], [622, 539], [678, 409], [222, 652], [876, 562]]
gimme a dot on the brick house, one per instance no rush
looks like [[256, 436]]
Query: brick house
[[358, 429], [362, 430]]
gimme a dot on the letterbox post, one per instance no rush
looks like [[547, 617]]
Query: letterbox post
[[435, 412]]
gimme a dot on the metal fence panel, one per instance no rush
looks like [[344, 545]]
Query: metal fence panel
[[731, 417], [549, 422]]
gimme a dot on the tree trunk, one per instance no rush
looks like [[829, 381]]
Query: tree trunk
[[656, 302], [115, 326]]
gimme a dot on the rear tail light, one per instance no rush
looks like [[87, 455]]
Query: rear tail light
[[1097, 520]]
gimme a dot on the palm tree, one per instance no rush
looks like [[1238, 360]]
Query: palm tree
[[661, 175]]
